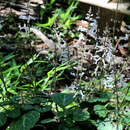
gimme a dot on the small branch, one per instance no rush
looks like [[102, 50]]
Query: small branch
[[51, 44]]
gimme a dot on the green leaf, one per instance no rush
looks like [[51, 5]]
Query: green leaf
[[100, 110], [16, 70], [64, 127], [52, 2], [60, 114], [1, 91], [65, 15], [8, 57], [103, 97], [50, 22], [46, 108], [12, 91], [14, 113], [127, 98], [15, 99], [80, 115], [69, 122], [70, 21], [94, 99], [28, 107], [126, 118], [37, 108], [43, 100], [30, 61], [3, 119], [49, 120], [26, 122], [5, 103], [108, 126], [1, 26], [62, 99]]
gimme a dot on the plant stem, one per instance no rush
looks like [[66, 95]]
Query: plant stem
[[117, 102], [2, 79]]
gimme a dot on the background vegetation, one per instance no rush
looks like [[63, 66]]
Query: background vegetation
[[57, 72]]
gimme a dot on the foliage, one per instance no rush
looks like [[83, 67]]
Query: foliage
[[100, 110], [108, 126], [62, 99], [36, 90], [81, 115], [26, 122], [64, 18], [3, 119], [50, 22]]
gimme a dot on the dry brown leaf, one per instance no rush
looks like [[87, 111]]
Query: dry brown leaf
[[80, 23], [122, 51]]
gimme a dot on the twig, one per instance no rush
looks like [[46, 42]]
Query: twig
[[51, 44]]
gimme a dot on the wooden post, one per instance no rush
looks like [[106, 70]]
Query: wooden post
[[121, 8]]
